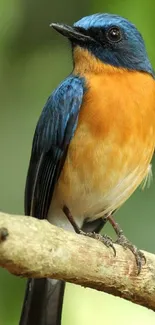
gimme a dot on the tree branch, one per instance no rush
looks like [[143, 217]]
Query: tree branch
[[34, 248]]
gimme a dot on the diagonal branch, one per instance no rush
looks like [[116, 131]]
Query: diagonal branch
[[35, 248]]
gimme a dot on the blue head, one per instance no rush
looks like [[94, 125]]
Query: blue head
[[111, 39]]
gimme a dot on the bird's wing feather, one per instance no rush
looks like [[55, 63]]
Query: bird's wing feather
[[54, 131]]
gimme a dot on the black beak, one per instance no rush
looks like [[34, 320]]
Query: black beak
[[70, 32]]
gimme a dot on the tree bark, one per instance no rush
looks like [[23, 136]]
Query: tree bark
[[34, 248]]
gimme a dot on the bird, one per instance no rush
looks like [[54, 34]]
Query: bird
[[93, 143]]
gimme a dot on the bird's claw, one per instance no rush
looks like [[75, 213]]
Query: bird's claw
[[125, 243], [106, 240], [139, 256]]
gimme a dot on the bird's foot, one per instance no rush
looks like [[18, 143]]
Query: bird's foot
[[125, 243], [139, 256], [106, 240]]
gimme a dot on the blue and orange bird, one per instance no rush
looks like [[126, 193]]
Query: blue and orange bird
[[93, 143]]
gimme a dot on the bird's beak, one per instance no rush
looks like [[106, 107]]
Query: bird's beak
[[70, 32]]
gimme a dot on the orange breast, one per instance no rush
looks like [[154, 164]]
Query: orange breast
[[113, 145]]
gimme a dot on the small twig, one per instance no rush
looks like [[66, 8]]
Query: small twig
[[3, 234]]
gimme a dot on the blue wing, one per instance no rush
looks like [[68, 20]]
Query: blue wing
[[54, 131]]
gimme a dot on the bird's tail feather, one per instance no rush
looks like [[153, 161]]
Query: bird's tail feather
[[43, 302]]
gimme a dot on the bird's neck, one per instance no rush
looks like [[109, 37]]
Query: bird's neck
[[85, 62]]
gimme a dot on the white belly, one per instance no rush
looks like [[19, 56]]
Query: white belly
[[92, 205]]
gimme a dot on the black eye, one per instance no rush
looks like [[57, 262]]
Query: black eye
[[114, 34]]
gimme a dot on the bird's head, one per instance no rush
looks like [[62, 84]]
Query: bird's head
[[110, 39]]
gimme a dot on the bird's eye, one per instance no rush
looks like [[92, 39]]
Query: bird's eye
[[114, 34]]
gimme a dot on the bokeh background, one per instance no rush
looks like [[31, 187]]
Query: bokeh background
[[33, 60]]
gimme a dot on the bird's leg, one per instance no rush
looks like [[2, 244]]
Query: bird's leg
[[123, 241], [71, 219], [108, 242]]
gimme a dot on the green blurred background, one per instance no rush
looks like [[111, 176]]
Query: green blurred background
[[33, 60]]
